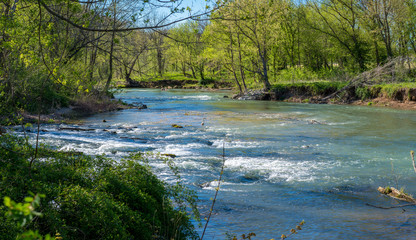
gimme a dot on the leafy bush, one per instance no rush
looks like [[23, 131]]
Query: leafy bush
[[308, 89], [363, 93], [92, 197]]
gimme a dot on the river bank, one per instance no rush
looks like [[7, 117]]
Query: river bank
[[165, 84], [76, 110], [398, 96]]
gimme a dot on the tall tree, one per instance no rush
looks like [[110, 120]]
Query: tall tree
[[340, 20]]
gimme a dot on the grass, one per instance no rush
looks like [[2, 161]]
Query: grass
[[309, 88], [166, 76]]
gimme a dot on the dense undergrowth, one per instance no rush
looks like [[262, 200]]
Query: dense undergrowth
[[91, 197]]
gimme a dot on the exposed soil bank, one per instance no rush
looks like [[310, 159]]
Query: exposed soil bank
[[177, 84], [78, 109], [387, 95]]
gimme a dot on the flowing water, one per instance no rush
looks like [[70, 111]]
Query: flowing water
[[285, 162]]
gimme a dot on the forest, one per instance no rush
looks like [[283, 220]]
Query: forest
[[57, 53]]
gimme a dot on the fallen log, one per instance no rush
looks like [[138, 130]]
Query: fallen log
[[396, 194]]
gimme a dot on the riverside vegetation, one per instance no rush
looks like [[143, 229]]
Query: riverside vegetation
[[89, 197]]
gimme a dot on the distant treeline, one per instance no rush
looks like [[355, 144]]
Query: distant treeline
[[52, 52]]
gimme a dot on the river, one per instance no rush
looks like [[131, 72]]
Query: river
[[284, 162]]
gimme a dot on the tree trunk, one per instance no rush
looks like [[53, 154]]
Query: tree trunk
[[241, 63], [264, 76], [110, 60], [110, 74]]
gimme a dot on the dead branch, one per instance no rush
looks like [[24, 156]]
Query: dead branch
[[381, 74], [391, 207], [396, 194]]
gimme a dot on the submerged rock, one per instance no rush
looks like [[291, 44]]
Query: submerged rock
[[315, 122], [205, 184], [169, 155], [142, 106], [176, 126], [139, 105], [76, 129], [253, 95]]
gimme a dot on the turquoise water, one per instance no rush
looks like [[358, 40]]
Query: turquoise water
[[285, 162]]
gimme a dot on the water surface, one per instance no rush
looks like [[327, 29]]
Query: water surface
[[285, 162]]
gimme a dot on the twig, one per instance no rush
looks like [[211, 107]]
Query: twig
[[216, 191], [390, 207]]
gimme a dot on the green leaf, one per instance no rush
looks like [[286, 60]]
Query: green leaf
[[7, 202]]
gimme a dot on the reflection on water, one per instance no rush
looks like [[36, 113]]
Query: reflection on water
[[285, 162]]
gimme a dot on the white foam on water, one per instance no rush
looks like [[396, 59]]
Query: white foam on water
[[223, 187], [235, 144], [342, 123], [200, 97], [182, 135], [90, 145], [190, 164], [277, 169], [181, 149]]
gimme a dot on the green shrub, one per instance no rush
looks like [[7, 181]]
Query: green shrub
[[363, 93], [92, 197]]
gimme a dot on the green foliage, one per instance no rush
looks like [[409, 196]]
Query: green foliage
[[307, 89], [363, 93], [92, 197], [23, 214]]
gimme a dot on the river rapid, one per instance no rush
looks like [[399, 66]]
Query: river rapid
[[284, 162]]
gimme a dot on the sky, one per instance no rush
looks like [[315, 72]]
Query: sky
[[196, 7]]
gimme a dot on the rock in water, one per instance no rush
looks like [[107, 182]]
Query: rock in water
[[142, 106], [139, 105], [253, 95]]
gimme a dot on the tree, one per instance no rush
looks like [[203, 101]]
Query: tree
[[340, 20], [185, 48]]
